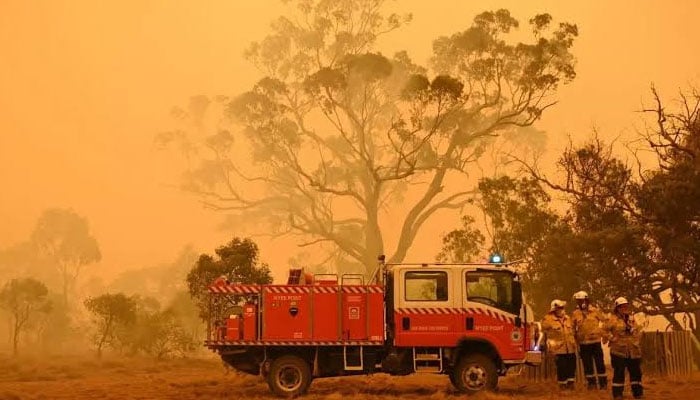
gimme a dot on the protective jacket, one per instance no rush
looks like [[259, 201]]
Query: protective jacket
[[560, 333], [625, 336], [588, 325]]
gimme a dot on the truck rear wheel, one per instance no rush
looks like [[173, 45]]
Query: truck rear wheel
[[289, 376], [475, 373]]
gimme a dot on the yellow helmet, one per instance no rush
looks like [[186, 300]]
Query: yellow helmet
[[621, 301], [580, 295], [556, 303]]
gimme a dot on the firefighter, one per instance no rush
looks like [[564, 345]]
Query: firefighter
[[625, 349], [561, 342], [588, 327]]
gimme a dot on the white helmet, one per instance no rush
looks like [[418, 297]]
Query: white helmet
[[620, 301], [556, 303], [580, 295]]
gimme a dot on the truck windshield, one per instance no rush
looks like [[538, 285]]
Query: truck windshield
[[493, 288]]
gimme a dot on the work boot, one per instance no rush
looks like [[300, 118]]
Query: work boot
[[637, 391], [617, 391], [591, 383], [603, 382]]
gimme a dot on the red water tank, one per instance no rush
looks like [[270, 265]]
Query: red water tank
[[250, 321]]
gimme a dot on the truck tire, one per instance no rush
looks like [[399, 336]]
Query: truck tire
[[289, 376], [475, 373]]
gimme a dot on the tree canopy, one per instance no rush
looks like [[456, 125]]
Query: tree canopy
[[64, 236], [336, 132], [238, 261], [630, 229], [109, 312], [23, 298]]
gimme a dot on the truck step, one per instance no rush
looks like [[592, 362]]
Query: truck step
[[428, 369], [353, 363], [427, 357]]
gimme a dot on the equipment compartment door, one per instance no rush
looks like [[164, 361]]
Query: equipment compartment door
[[325, 308], [354, 306], [286, 313]]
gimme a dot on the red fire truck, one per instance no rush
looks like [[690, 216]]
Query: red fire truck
[[466, 321]]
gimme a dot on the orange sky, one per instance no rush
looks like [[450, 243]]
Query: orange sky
[[85, 85]]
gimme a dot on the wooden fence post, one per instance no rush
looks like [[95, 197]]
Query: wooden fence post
[[691, 358]]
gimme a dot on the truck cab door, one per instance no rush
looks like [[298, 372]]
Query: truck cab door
[[492, 301], [425, 307]]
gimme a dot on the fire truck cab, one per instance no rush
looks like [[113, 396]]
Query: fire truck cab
[[466, 321]]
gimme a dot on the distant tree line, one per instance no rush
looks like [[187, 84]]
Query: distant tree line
[[137, 325], [39, 279], [133, 325], [43, 297]]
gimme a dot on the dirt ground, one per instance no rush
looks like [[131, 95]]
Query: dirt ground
[[86, 378]]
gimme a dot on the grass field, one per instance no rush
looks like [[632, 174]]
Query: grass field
[[86, 378]]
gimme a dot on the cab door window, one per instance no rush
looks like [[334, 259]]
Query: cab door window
[[492, 288], [425, 286]]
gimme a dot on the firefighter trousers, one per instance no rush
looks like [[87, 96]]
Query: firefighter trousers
[[592, 355], [566, 370], [633, 366]]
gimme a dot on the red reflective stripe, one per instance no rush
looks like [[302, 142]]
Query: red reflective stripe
[[446, 311], [234, 289]]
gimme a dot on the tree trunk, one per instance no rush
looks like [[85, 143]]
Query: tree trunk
[[9, 331], [15, 338], [412, 222], [103, 339], [65, 287], [374, 243], [69, 280], [99, 346]]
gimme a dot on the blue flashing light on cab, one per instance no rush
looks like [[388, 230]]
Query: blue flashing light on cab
[[496, 258]]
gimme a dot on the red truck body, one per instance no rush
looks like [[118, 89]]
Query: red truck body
[[419, 318], [306, 314]]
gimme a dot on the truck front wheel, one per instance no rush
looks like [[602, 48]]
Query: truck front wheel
[[475, 373], [289, 376]]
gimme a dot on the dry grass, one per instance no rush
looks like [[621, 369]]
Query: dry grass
[[81, 378]]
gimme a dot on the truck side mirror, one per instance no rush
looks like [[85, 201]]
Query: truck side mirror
[[517, 296]]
